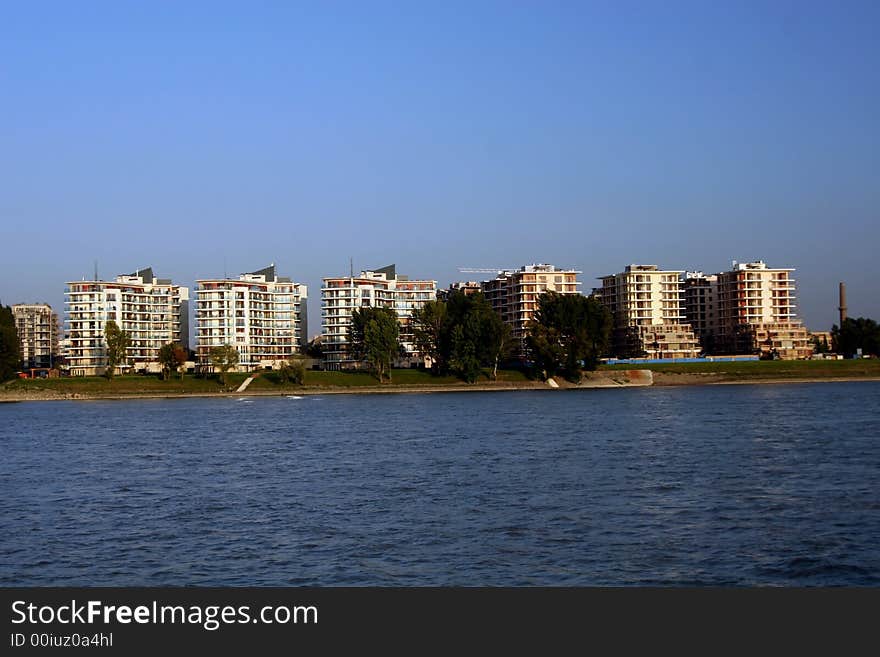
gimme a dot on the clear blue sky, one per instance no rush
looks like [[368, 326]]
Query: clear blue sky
[[439, 135]]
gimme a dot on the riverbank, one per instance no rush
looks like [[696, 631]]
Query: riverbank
[[415, 381]]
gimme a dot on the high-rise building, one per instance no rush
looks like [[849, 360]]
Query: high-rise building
[[37, 326], [513, 294], [264, 316], [647, 305], [756, 313], [380, 288], [152, 310], [701, 307]]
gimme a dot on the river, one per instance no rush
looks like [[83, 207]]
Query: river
[[699, 485]]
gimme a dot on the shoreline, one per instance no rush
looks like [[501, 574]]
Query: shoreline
[[599, 383]]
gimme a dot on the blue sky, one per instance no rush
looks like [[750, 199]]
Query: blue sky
[[195, 137]]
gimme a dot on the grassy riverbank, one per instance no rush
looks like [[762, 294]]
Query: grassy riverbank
[[757, 371], [268, 383], [87, 387]]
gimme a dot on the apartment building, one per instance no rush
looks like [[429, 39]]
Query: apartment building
[[647, 304], [701, 307], [263, 315], [37, 326], [756, 312], [152, 310], [380, 288], [465, 287], [513, 294]]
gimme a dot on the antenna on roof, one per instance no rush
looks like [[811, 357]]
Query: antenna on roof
[[96, 270], [225, 275], [351, 267]]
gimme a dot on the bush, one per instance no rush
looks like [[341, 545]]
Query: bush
[[293, 371]]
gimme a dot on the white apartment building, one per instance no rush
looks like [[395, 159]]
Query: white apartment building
[[381, 288], [264, 316], [756, 312], [513, 294], [647, 304], [37, 326], [152, 310]]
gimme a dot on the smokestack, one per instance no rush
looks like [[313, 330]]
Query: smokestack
[[842, 307]]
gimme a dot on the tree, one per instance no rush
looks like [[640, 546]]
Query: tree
[[118, 342], [427, 326], [293, 370], [461, 335], [464, 352], [854, 334], [181, 355], [568, 334], [497, 342], [10, 347], [224, 358], [314, 349], [373, 337], [172, 357]]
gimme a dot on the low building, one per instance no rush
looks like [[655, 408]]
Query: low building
[[380, 288], [465, 287], [647, 304], [822, 341], [152, 310], [263, 315], [37, 326]]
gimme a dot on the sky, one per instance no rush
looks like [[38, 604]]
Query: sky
[[203, 138]]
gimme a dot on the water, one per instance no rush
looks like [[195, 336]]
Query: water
[[715, 485]]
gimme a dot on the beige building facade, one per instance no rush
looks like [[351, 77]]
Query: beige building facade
[[513, 294], [647, 304], [757, 313], [37, 326]]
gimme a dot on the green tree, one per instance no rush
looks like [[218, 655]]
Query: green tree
[[496, 338], [314, 349], [181, 355], [568, 334], [464, 352], [224, 358], [428, 323], [118, 342], [373, 336], [172, 358], [293, 370], [466, 334], [10, 347], [854, 334]]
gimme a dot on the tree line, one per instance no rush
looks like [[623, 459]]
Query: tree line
[[463, 336], [854, 334]]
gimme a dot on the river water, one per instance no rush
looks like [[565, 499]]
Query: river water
[[711, 485]]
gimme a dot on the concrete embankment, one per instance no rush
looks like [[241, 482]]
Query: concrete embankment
[[617, 379]]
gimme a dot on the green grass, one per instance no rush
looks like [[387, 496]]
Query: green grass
[[403, 377], [266, 382], [769, 369], [123, 385]]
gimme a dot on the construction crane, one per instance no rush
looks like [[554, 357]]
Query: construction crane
[[483, 270]]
